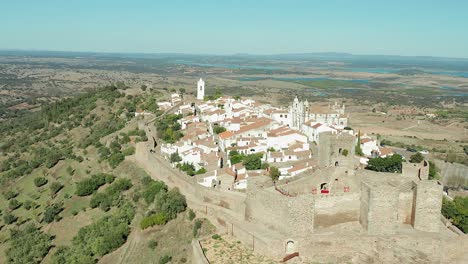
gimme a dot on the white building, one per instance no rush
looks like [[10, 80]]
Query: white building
[[200, 89], [369, 146], [313, 130]]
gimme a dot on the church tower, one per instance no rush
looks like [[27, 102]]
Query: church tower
[[200, 89]]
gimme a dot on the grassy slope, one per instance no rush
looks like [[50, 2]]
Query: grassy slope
[[66, 228]]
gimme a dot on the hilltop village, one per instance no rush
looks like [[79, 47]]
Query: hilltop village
[[218, 134], [290, 182]]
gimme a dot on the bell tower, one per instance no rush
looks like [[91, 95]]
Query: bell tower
[[200, 89]]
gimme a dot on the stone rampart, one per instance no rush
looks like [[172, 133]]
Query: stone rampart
[[335, 209], [428, 206]]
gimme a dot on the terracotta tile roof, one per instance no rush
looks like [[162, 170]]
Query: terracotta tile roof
[[385, 151], [365, 140], [241, 176], [229, 171], [317, 125], [226, 134], [276, 154]]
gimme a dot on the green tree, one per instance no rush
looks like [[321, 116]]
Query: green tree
[[416, 158], [40, 181], [14, 204], [90, 185], [171, 203], [52, 211], [115, 159], [388, 164], [218, 129], [457, 211], [175, 157], [55, 187], [274, 173], [253, 162], [28, 245], [9, 218], [358, 149]]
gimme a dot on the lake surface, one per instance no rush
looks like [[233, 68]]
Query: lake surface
[[295, 79], [351, 69], [393, 70]]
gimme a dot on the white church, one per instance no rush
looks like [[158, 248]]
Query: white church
[[299, 114]]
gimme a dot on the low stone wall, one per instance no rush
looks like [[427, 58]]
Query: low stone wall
[[335, 209], [198, 256], [382, 249]]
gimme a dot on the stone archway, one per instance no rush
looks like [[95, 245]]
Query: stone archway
[[290, 246]]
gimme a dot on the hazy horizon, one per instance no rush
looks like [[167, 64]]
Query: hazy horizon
[[397, 28]]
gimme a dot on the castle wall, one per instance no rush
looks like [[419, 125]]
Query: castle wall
[[428, 206], [417, 171], [406, 203], [335, 209], [382, 209], [330, 147], [292, 216], [381, 249]]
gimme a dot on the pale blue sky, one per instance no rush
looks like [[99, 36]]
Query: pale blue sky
[[396, 27]]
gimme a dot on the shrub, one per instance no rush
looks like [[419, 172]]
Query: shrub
[[40, 181], [115, 159], [200, 171], [165, 259], [9, 218], [90, 185], [109, 178], [175, 157], [111, 195], [187, 167], [344, 152], [155, 219], [51, 212], [196, 226], [216, 236], [152, 244], [70, 170], [14, 204], [433, 171], [55, 187], [191, 215], [10, 194], [128, 151], [416, 158], [171, 203], [28, 204], [152, 189]]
